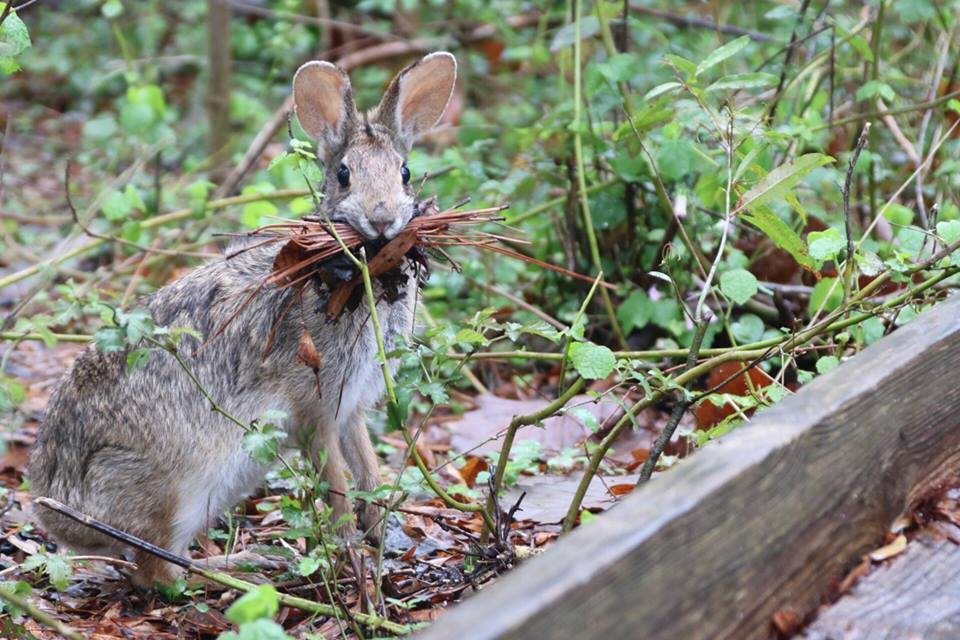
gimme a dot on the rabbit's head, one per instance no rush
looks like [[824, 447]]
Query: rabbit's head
[[366, 179]]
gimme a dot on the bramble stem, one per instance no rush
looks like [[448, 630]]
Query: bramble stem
[[24, 605], [173, 216]]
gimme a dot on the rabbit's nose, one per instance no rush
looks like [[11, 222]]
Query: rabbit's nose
[[380, 218], [381, 226]]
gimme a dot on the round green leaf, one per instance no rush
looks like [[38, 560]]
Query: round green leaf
[[739, 285], [592, 361]]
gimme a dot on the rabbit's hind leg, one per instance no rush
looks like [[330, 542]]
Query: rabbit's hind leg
[[327, 459]]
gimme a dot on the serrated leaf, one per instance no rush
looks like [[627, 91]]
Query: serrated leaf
[[825, 245], [636, 311], [14, 40], [592, 361], [719, 55], [258, 603], [256, 630], [780, 233], [116, 206], [826, 363], [59, 571], [739, 285], [874, 89], [782, 179]]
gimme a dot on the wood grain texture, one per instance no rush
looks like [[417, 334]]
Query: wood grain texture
[[765, 520], [915, 595]]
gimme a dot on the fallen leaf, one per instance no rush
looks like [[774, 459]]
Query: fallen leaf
[[548, 497], [475, 430], [786, 622], [708, 414]]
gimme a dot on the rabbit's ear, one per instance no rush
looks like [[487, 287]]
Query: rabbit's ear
[[417, 97], [323, 102]]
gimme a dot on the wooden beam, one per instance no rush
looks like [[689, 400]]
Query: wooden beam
[[915, 595], [763, 521]]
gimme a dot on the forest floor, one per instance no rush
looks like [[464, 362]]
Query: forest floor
[[428, 548]]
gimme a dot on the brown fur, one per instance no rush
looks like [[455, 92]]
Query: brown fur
[[143, 451]]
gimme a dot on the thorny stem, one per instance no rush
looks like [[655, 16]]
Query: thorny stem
[[173, 216], [514, 426], [678, 410], [873, 115], [24, 605], [581, 178], [392, 400], [847, 218], [374, 622], [828, 325]]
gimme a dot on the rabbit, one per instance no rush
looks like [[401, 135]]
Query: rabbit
[[142, 450]]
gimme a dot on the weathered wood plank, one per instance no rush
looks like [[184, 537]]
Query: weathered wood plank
[[762, 521], [916, 595]]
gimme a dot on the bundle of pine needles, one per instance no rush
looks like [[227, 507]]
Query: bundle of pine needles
[[314, 249]]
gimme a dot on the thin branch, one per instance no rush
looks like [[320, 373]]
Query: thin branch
[[173, 216], [107, 238], [700, 23], [21, 603], [678, 410], [374, 622], [847, 217]]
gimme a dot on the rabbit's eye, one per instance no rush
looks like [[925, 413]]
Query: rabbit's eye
[[343, 176], [405, 173]]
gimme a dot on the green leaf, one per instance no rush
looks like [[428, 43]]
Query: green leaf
[[620, 68], [257, 630], [308, 566], [661, 89], [636, 311], [100, 129], [819, 297], [898, 214], [137, 359], [253, 214], [781, 234], [781, 180], [59, 571], [469, 337], [263, 443], [949, 231], [681, 63], [592, 361], [111, 9], [133, 198], [825, 245], [14, 40], [258, 603], [740, 81], [875, 88], [826, 363], [567, 34], [719, 55], [861, 46], [116, 206], [747, 328], [739, 285], [109, 339]]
